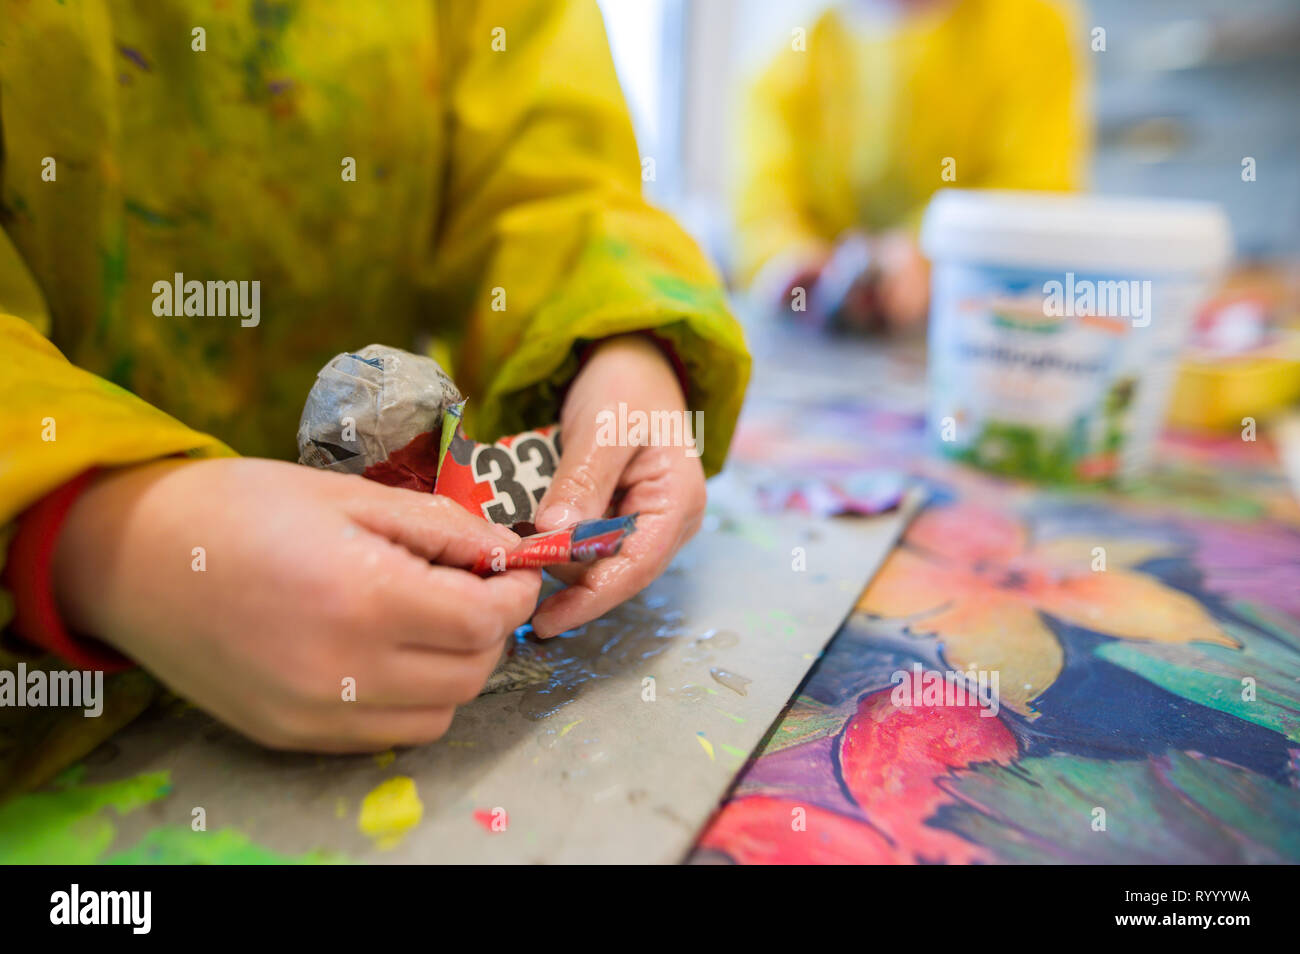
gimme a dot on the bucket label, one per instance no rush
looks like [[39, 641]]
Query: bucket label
[[1054, 376]]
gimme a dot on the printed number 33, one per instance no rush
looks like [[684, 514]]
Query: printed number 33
[[503, 470]]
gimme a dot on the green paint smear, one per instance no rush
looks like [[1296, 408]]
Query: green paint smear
[[146, 214], [807, 721], [177, 845], [1212, 675], [1177, 809], [689, 294], [112, 267], [70, 825], [754, 531]]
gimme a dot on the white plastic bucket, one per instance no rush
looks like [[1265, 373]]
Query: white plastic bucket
[[1056, 322]]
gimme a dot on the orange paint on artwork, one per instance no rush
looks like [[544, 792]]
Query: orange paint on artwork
[[974, 578]]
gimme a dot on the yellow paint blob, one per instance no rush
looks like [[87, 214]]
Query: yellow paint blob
[[389, 811], [385, 759]]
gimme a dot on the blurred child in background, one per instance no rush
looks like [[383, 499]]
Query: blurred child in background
[[849, 131]]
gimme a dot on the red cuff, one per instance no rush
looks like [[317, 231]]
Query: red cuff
[[28, 575]]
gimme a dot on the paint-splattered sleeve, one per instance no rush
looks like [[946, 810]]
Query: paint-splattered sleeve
[[546, 242], [59, 420]]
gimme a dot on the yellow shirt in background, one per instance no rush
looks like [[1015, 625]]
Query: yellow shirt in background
[[857, 129]]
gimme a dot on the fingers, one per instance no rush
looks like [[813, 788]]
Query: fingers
[[611, 581], [399, 697], [383, 729], [906, 283], [430, 526], [585, 478], [632, 368], [568, 573], [441, 607], [357, 730], [420, 678], [405, 697], [669, 494], [450, 610]]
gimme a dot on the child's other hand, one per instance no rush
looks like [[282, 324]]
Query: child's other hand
[[664, 484], [308, 579], [905, 282]]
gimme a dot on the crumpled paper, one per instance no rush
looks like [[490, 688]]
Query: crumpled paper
[[367, 404]]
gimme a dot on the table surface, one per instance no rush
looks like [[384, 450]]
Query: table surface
[[1147, 646], [1148, 710]]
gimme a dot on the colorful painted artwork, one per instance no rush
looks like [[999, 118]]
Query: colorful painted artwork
[[1146, 649]]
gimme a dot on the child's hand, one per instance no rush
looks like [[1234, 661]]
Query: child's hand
[[308, 579], [905, 282], [664, 484]]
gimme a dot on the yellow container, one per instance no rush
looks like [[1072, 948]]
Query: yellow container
[[1217, 395]]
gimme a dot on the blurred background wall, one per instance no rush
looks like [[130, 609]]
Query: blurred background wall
[[1184, 90]]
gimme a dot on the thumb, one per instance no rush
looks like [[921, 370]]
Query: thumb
[[585, 479]]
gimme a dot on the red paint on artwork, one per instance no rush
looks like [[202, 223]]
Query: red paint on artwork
[[894, 758], [759, 830]]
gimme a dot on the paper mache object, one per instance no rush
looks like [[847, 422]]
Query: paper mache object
[[368, 404], [395, 417]]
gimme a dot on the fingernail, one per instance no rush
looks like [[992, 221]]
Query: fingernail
[[556, 516]]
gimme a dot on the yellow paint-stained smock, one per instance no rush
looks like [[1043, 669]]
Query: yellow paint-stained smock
[[457, 173]]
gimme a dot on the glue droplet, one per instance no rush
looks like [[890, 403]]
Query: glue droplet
[[736, 683], [721, 638]]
